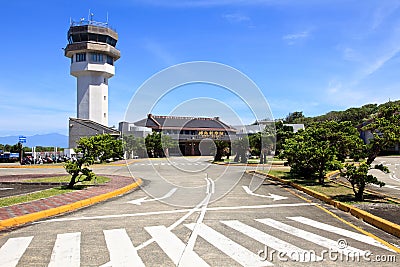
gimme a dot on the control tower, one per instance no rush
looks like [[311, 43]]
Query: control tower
[[91, 48]]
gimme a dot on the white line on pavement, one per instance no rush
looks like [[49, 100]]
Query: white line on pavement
[[12, 250], [339, 231], [173, 246], [175, 211], [66, 251], [295, 253], [122, 251], [240, 254], [314, 238], [139, 201]]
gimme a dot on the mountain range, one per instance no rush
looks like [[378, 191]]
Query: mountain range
[[46, 140]]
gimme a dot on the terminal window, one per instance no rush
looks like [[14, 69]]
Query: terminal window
[[80, 57]]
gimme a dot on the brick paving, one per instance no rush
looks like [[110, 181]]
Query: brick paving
[[60, 200]]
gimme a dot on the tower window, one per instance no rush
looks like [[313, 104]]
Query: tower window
[[80, 57], [105, 97], [96, 57], [105, 115], [110, 60]]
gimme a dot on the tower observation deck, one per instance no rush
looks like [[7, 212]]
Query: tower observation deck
[[91, 48]]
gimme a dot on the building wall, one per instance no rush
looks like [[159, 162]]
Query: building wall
[[78, 130], [92, 98]]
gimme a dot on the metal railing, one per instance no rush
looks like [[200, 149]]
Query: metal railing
[[84, 22]]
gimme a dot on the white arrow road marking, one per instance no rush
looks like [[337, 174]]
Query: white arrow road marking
[[295, 253], [274, 197], [240, 254], [339, 231], [139, 201], [314, 238], [66, 251], [174, 247], [6, 188], [12, 251], [122, 251]]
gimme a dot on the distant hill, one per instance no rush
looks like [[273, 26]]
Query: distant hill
[[47, 140]]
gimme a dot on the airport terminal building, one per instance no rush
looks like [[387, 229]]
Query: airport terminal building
[[189, 132]]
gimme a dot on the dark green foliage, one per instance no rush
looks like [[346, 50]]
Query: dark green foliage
[[358, 177], [222, 149], [385, 127], [240, 148], [295, 117], [89, 150], [319, 148], [134, 146], [158, 144]]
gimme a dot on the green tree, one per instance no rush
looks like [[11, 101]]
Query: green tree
[[221, 149], [319, 148], [282, 133], [89, 150], [158, 144], [358, 177], [385, 128], [154, 145], [134, 146], [240, 148], [167, 143], [295, 117]]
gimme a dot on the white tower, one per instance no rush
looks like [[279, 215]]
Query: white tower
[[91, 48]]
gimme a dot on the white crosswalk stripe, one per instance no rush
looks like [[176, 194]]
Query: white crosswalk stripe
[[12, 250], [240, 254], [122, 252], [174, 247], [314, 238], [340, 231], [66, 251], [295, 253]]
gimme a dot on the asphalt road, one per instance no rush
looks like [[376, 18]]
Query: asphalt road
[[391, 179], [206, 216]]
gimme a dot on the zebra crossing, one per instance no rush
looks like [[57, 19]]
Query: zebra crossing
[[67, 252]]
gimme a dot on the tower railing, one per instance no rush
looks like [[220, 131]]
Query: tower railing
[[84, 22]]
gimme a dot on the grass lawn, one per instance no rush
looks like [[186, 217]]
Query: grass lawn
[[8, 201], [66, 179]]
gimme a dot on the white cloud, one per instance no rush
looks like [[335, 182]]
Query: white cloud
[[384, 11], [236, 17], [294, 37], [380, 61]]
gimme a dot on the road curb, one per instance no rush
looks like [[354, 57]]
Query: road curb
[[20, 220], [376, 221]]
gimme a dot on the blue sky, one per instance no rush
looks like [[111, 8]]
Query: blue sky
[[312, 56]]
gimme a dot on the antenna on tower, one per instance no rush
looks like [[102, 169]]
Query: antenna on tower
[[107, 18]]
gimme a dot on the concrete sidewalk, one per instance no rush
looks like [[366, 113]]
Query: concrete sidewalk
[[17, 214]]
